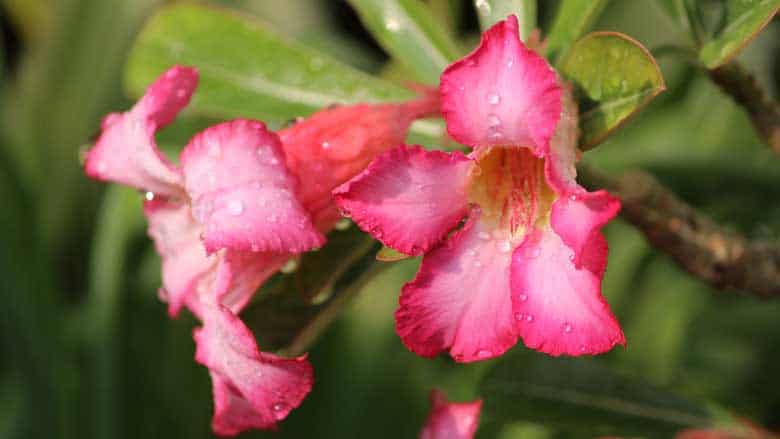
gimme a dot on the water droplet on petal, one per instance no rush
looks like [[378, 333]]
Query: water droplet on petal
[[529, 318], [519, 316], [149, 196], [573, 197], [493, 99], [493, 120], [523, 297], [325, 145], [571, 257], [289, 266], [235, 207], [567, 328], [484, 353], [484, 235], [470, 252], [582, 348]]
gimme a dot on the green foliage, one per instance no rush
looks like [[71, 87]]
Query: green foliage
[[614, 76], [490, 12], [574, 18], [279, 81], [743, 20], [409, 32]]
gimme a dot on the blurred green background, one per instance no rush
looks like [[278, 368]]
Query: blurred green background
[[86, 347]]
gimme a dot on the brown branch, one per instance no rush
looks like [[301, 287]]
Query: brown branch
[[720, 257], [746, 91]]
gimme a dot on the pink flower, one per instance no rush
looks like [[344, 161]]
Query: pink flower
[[529, 259], [232, 214], [450, 420]]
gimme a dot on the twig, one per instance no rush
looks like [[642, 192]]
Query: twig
[[747, 92], [720, 257]]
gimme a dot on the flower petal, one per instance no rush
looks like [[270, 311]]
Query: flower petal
[[242, 273], [186, 269], [335, 144], [126, 151], [408, 198], [252, 389], [242, 192], [450, 420], [559, 308], [460, 300], [576, 213], [501, 94]]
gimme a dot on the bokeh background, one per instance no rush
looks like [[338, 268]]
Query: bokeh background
[[86, 347]]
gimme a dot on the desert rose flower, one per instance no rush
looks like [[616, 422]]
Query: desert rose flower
[[511, 243], [450, 420], [230, 215]]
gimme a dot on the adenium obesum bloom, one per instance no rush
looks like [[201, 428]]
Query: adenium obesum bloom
[[450, 420], [511, 243], [232, 213]]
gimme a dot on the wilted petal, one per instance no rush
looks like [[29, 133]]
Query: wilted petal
[[335, 144], [501, 94], [559, 308], [126, 151], [450, 420], [460, 300], [251, 389], [242, 192], [408, 198], [186, 269]]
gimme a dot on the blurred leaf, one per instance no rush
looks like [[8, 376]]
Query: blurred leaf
[[409, 32], [245, 69], [583, 396], [293, 309], [33, 18], [387, 254], [744, 19], [614, 77], [574, 18], [492, 11]]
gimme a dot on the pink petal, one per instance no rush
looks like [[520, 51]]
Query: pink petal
[[501, 94], [450, 420], [186, 269], [242, 192], [559, 308], [335, 144], [242, 273], [252, 389], [408, 198], [126, 151], [577, 213], [460, 300]]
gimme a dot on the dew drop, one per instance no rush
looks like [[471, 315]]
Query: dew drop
[[504, 246], [471, 63], [519, 316], [523, 297], [509, 63], [532, 253], [571, 257], [493, 120], [180, 93], [484, 235], [573, 197], [289, 266], [529, 318], [235, 207], [567, 328], [582, 348], [325, 145], [493, 99], [471, 252], [149, 195], [273, 161]]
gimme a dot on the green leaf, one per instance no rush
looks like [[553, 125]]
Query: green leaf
[[582, 395], [409, 32], [492, 11], [744, 20], [293, 309], [387, 254], [614, 76], [245, 69], [574, 18]]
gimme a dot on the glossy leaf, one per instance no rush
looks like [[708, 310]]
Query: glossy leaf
[[573, 18], [293, 309], [582, 395], [492, 11], [409, 32], [245, 69], [744, 19], [614, 77]]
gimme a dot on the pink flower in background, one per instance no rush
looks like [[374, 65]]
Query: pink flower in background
[[232, 214], [449, 420], [529, 259]]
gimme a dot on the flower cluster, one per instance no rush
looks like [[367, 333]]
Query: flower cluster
[[242, 201], [511, 243]]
